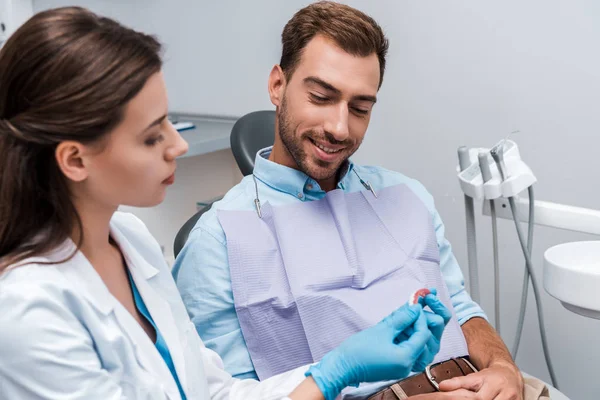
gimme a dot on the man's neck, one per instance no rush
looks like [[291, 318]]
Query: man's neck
[[281, 156], [329, 184]]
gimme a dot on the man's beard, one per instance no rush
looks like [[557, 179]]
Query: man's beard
[[318, 169]]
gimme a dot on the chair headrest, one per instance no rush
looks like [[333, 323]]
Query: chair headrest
[[252, 132]]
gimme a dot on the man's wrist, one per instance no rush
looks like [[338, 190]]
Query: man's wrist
[[507, 364]]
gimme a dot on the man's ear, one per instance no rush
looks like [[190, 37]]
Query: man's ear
[[70, 158], [277, 83]]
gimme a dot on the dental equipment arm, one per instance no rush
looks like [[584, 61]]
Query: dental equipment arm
[[486, 174], [498, 155], [525, 289], [463, 158]]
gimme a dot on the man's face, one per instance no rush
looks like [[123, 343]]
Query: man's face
[[325, 108]]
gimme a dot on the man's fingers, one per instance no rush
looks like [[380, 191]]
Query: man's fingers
[[461, 394], [487, 392], [471, 382], [510, 395]]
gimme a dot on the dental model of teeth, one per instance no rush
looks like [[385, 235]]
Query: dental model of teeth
[[418, 296]]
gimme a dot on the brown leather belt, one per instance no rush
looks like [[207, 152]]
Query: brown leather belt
[[426, 382]]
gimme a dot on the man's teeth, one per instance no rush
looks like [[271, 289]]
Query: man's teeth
[[327, 149]]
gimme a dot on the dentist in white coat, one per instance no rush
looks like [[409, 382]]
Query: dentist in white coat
[[88, 307]]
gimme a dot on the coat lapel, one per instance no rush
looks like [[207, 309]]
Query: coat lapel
[[145, 277]]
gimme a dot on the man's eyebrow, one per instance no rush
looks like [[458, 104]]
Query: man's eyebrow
[[331, 88], [322, 83], [366, 97]]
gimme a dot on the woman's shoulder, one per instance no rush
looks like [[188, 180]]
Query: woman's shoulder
[[37, 318], [30, 287], [43, 278], [39, 271]]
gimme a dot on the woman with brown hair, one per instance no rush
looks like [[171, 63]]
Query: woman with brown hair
[[88, 308]]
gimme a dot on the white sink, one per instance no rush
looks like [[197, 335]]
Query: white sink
[[572, 275]]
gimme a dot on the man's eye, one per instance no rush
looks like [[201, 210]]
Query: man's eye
[[318, 99], [360, 111]]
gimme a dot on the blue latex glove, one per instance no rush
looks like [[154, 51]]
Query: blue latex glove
[[436, 322], [374, 354]]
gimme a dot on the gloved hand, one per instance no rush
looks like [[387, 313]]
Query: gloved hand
[[436, 322], [375, 354]]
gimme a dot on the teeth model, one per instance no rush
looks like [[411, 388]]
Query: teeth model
[[418, 295]]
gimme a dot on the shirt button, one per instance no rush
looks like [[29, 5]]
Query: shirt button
[[300, 195], [309, 187]]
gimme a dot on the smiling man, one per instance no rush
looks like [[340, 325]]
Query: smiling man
[[336, 245], [324, 112]]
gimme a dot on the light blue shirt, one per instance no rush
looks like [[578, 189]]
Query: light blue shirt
[[202, 268]]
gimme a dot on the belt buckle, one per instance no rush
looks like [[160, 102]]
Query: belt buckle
[[431, 378]]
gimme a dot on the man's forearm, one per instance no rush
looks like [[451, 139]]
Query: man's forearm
[[485, 345]]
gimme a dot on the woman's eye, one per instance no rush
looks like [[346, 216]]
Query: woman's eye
[[153, 140]]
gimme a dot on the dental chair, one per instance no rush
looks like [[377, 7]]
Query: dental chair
[[184, 231], [250, 133]]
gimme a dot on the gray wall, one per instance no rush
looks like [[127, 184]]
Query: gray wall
[[218, 53], [459, 73]]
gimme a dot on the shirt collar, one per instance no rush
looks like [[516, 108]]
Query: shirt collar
[[287, 179]]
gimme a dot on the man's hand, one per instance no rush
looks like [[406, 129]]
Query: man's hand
[[500, 381], [460, 394], [498, 377]]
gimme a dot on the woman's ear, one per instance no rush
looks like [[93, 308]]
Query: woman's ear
[[70, 158]]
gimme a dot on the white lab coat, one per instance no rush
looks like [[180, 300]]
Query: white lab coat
[[64, 336]]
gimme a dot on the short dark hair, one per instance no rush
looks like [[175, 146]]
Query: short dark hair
[[352, 30]]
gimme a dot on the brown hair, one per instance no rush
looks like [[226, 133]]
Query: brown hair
[[66, 74], [353, 31]]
